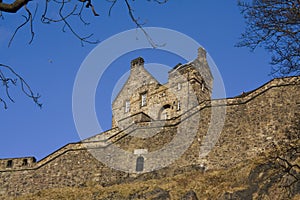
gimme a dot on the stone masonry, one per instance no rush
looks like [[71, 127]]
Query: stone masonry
[[147, 116]]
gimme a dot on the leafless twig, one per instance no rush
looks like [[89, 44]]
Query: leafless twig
[[7, 81], [140, 25], [113, 3], [64, 17], [27, 19], [274, 25]]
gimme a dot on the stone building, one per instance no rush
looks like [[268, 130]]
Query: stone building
[[162, 130], [188, 85]]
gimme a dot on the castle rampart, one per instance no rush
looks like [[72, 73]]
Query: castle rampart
[[255, 122]]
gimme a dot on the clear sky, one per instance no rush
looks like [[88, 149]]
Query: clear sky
[[51, 62]]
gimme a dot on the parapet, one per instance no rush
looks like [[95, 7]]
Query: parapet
[[17, 163]]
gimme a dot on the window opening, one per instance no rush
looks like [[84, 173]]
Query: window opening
[[9, 163], [144, 99], [178, 86], [178, 105], [140, 164], [25, 162], [127, 106]]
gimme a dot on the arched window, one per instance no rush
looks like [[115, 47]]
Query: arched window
[[164, 112], [140, 164]]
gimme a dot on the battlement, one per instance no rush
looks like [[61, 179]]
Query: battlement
[[17, 163]]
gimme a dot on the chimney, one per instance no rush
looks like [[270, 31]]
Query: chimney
[[137, 62]]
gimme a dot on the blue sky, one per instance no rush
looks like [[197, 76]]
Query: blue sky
[[51, 62]]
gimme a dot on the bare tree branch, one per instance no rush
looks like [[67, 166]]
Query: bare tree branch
[[63, 18], [140, 25], [274, 25], [27, 19], [8, 81], [112, 5], [12, 7], [65, 11], [79, 14]]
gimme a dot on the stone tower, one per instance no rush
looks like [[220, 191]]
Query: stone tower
[[195, 78]]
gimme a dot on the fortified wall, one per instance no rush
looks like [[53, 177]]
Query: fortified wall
[[151, 116]]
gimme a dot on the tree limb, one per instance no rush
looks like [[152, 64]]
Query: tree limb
[[274, 25], [12, 7]]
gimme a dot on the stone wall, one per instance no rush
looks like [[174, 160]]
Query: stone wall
[[255, 122]]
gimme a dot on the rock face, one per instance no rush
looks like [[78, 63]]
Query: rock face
[[261, 124]]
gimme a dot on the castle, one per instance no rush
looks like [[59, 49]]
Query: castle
[[162, 130]]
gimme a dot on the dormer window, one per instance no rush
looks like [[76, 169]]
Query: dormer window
[[127, 106], [144, 99]]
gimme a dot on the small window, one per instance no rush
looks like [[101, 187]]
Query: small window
[[127, 106], [178, 86], [178, 105], [140, 164], [144, 99], [9, 163], [25, 162]]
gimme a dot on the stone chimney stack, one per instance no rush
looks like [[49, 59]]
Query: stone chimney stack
[[137, 62]]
